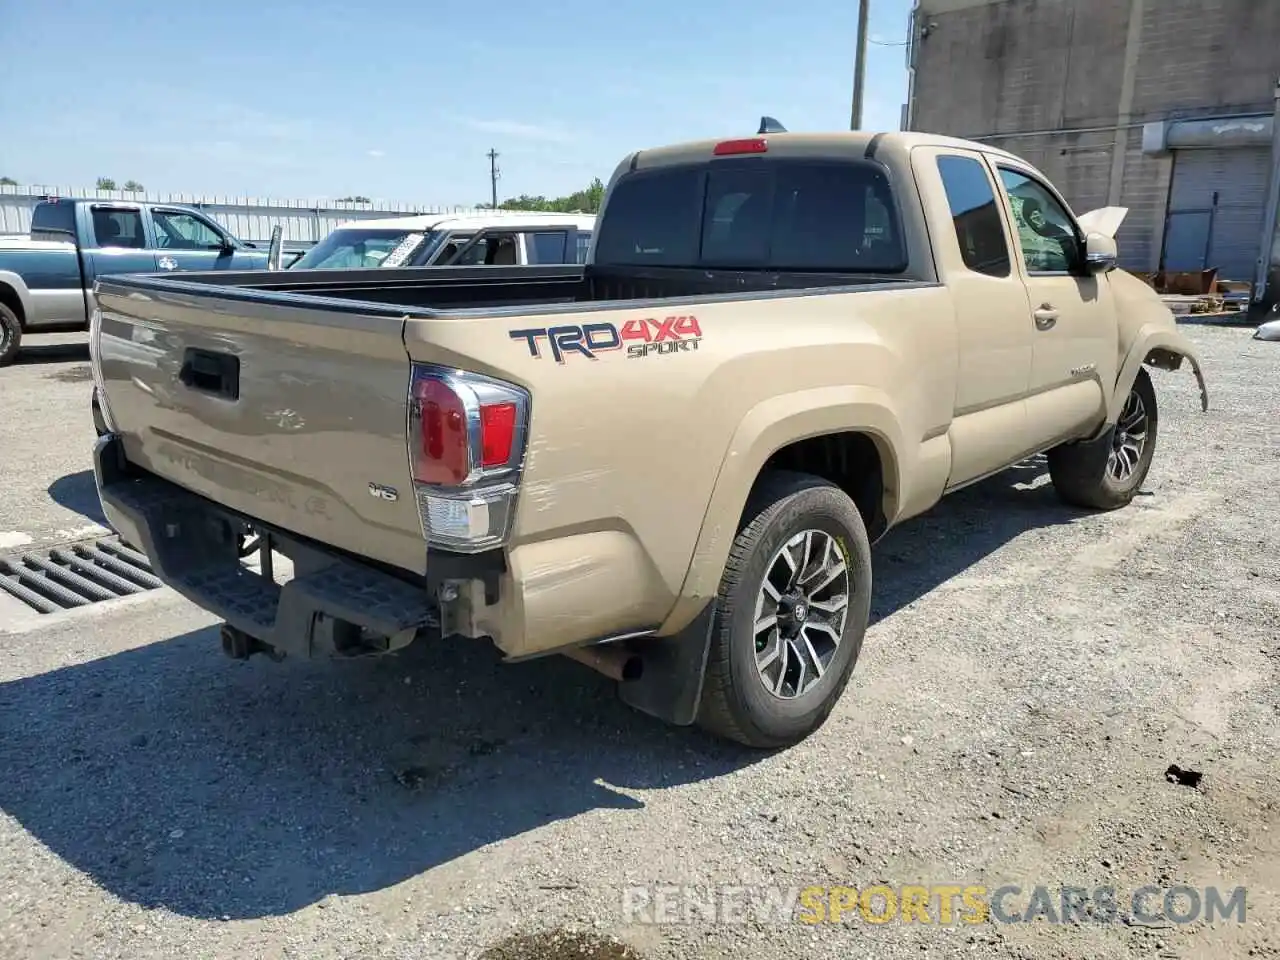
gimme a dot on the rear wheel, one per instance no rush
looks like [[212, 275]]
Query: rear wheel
[[792, 611], [10, 335], [1106, 473]]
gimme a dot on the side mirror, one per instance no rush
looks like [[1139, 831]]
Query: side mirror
[[275, 251], [1100, 253]]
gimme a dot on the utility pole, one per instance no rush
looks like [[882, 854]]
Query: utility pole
[[860, 65], [493, 177]]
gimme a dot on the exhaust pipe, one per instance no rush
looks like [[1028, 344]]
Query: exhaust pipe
[[615, 662]]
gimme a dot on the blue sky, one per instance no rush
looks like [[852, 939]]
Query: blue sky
[[401, 100]]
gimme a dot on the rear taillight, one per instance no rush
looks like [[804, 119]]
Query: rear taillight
[[497, 433], [466, 447], [441, 452]]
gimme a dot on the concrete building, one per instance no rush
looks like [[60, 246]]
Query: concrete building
[[1168, 107]]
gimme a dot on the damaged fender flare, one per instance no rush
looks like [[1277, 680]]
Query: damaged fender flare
[[1161, 348]]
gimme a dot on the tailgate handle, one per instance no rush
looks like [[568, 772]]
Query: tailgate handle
[[211, 372]]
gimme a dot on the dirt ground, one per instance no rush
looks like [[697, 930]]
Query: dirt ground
[[1031, 675]]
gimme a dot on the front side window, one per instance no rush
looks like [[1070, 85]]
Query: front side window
[[492, 250], [182, 231], [787, 215], [979, 227], [1046, 232], [116, 227]]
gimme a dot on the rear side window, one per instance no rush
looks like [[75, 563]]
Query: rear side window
[[118, 227], [979, 227], [54, 216], [796, 215]]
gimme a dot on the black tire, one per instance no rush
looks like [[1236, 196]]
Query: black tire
[[1081, 471], [735, 702], [10, 335]]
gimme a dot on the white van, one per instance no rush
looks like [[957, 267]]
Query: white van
[[476, 239]]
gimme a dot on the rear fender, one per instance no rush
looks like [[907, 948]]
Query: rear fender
[[15, 282], [767, 428]]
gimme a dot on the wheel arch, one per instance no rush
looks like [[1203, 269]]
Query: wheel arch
[[1157, 346], [14, 295], [797, 429]]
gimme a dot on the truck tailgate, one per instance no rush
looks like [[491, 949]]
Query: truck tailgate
[[291, 415]]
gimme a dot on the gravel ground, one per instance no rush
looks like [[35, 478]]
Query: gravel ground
[[1032, 673]]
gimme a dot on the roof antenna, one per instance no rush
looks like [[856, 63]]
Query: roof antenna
[[770, 125]]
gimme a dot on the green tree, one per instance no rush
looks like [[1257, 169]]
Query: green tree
[[133, 186], [8, 182], [106, 183], [587, 200]]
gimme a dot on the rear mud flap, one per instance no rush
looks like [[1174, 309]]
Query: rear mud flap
[[670, 685]]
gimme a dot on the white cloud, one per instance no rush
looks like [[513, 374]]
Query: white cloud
[[377, 153]]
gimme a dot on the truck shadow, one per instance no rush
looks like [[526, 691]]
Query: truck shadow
[[962, 529], [36, 352], [79, 492], [175, 778]]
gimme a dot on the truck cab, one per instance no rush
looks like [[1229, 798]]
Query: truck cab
[[46, 279]]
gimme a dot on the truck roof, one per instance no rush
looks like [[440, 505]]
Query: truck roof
[[836, 144], [509, 218]]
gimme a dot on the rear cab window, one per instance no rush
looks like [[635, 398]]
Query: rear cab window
[[782, 214], [53, 221]]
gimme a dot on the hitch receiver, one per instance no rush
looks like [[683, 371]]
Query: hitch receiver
[[239, 645]]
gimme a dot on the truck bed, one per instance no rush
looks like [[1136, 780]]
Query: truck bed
[[498, 290]]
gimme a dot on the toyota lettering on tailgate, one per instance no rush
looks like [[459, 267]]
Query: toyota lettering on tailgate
[[641, 338]]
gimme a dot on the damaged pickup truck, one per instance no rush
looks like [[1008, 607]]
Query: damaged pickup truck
[[669, 463]]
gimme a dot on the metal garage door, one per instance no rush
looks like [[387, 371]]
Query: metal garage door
[[1216, 204]]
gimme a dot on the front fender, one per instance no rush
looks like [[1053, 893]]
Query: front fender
[[1162, 347], [767, 428]]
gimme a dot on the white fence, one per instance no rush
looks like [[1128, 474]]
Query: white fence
[[249, 218]]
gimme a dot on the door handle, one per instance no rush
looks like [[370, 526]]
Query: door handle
[[1045, 317]]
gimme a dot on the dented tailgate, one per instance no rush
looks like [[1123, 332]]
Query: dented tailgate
[[294, 415]]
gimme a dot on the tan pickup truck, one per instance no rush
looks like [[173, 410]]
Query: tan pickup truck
[[670, 462]]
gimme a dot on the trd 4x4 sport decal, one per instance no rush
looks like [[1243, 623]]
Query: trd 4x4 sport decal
[[642, 338]]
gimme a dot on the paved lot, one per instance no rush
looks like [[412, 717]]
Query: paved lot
[[1032, 673]]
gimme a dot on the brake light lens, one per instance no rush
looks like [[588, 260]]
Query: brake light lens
[[441, 453], [497, 433], [467, 437], [728, 148]]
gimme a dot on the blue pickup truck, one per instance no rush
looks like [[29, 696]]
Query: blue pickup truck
[[46, 280]]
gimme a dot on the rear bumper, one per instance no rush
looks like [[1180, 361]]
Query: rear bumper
[[331, 606]]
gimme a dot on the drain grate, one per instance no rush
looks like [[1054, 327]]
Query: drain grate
[[76, 575]]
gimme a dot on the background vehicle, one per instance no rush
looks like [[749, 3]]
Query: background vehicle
[[669, 463], [483, 239], [46, 279]]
